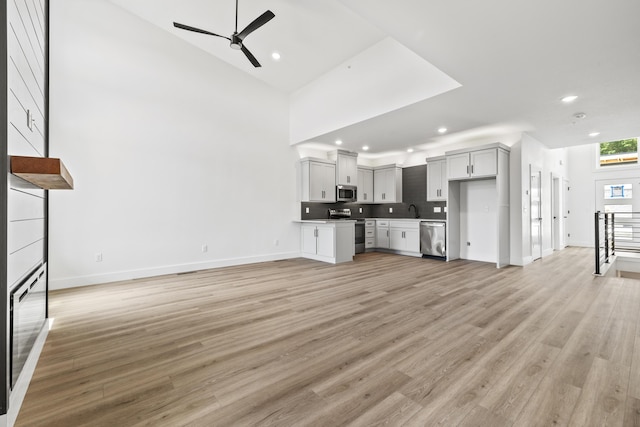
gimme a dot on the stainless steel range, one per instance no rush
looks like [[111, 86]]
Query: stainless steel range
[[344, 214]]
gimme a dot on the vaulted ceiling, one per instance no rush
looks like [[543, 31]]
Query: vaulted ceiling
[[512, 62]]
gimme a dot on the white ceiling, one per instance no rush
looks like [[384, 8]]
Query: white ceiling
[[514, 60]]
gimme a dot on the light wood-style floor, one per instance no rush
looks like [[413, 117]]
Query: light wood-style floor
[[385, 340]]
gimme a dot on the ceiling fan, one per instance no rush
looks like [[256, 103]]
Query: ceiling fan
[[237, 38]]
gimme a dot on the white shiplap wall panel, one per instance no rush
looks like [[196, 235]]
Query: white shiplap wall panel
[[18, 120], [20, 184], [27, 42], [24, 74], [26, 15], [24, 206], [21, 234], [19, 145], [23, 262], [38, 12], [26, 79]]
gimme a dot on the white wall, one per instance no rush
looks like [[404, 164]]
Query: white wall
[[552, 163], [170, 149], [582, 196], [364, 87]]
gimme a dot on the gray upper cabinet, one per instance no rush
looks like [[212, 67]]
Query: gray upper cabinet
[[437, 179], [318, 180], [472, 164], [365, 185], [346, 167], [387, 184]]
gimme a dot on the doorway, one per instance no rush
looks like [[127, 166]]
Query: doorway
[[560, 189], [565, 214]]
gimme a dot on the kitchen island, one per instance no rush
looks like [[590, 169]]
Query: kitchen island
[[327, 240]]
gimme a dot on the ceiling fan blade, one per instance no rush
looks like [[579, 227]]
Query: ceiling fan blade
[[251, 58], [257, 23], [197, 30]]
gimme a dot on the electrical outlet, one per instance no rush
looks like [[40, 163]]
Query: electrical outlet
[[99, 257], [390, 210], [306, 210], [205, 248], [445, 209], [437, 209], [360, 210]]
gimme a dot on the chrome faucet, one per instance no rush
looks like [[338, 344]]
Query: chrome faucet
[[415, 208]]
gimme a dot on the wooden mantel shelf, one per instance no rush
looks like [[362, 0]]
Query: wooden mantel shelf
[[44, 172]]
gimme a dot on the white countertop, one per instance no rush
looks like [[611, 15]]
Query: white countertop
[[328, 221], [324, 221], [406, 219]]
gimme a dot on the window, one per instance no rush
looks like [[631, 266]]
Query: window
[[618, 191], [622, 152]]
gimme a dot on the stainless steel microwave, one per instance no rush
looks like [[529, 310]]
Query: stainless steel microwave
[[346, 193]]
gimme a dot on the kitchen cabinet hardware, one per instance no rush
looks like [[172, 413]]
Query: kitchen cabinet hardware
[[437, 181], [387, 184], [346, 167], [365, 184], [318, 180]]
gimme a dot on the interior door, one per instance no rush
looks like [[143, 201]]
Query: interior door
[[564, 242], [556, 210], [535, 200]]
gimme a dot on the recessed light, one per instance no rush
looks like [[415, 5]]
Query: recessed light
[[594, 134], [276, 56], [365, 147], [442, 130], [338, 142], [409, 150], [569, 99]]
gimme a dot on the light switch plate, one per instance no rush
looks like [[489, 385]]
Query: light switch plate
[[306, 210], [360, 210], [390, 210]]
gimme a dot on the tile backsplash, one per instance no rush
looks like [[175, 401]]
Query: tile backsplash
[[414, 191]]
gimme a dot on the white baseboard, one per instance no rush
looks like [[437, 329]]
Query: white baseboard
[[581, 244], [22, 385], [522, 261], [117, 276], [547, 252]]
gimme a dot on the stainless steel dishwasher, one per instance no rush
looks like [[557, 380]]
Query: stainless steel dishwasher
[[433, 238]]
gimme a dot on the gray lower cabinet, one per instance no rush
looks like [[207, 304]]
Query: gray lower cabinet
[[382, 234], [329, 242], [404, 236]]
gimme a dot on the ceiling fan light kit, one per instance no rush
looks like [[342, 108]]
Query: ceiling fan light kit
[[237, 38]]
